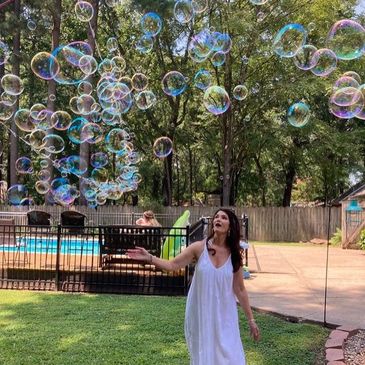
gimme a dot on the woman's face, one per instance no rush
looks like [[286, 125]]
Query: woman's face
[[220, 222]]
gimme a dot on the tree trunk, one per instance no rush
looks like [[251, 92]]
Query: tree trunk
[[14, 139], [91, 35], [289, 181], [167, 181], [56, 15], [227, 158]]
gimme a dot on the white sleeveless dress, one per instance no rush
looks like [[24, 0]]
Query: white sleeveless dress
[[211, 318]]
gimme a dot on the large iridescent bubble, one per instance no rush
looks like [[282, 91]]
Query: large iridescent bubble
[[16, 193], [289, 40], [145, 99], [84, 11], [183, 11], [45, 65], [23, 165], [151, 24], [174, 83], [304, 57], [216, 100], [298, 114], [162, 147], [240, 92], [346, 39], [12, 84], [99, 159], [202, 79], [325, 62]]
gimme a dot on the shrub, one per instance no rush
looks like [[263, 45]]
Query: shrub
[[336, 239], [362, 239]]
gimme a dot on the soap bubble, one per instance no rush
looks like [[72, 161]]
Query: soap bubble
[[23, 165], [162, 147], [304, 57], [289, 40], [16, 193], [45, 65], [354, 75], [98, 160], [218, 59], [151, 24], [346, 81], [145, 44], [325, 62], [24, 121], [42, 187], [84, 11], [183, 11], [199, 6], [145, 99], [53, 143], [173, 83], [216, 100], [61, 120], [88, 64], [202, 79], [346, 39], [298, 114], [347, 96], [12, 84], [139, 81], [240, 92]]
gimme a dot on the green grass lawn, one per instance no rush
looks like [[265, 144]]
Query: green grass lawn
[[76, 329]]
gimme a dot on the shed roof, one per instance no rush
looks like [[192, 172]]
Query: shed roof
[[357, 190]]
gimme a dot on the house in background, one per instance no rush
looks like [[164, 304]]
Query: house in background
[[353, 213]]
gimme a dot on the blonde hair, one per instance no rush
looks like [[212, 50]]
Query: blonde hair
[[150, 217]]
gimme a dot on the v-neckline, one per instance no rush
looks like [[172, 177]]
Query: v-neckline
[[211, 262]]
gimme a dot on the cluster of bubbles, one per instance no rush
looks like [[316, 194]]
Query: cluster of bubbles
[[94, 114], [348, 97], [345, 41]]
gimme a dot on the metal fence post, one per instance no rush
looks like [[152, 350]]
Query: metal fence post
[[186, 274], [57, 274]]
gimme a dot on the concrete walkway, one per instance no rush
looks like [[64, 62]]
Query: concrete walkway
[[291, 281]]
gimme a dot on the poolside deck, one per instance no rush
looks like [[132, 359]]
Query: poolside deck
[[41, 271]]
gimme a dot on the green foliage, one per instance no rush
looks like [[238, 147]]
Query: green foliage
[[336, 239], [252, 144], [362, 240], [68, 329]]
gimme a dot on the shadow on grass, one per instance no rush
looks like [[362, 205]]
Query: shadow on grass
[[68, 329]]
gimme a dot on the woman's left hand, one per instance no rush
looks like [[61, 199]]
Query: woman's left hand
[[254, 331]]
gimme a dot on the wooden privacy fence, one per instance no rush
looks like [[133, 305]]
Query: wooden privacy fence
[[265, 223]]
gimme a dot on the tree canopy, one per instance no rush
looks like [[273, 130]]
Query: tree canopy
[[109, 84]]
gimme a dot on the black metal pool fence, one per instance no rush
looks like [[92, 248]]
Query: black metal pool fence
[[93, 258]]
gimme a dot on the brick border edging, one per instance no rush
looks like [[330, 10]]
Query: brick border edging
[[336, 343]]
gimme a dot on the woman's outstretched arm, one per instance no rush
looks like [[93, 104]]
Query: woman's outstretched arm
[[186, 257]]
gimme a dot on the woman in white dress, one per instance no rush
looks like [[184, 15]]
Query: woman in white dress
[[211, 318]]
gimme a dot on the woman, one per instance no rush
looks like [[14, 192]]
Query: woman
[[148, 219], [211, 318]]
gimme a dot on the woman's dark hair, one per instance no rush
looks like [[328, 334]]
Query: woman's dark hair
[[233, 238]]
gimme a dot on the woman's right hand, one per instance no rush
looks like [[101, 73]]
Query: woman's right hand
[[139, 253]]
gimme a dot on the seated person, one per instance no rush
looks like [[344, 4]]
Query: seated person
[[148, 219]]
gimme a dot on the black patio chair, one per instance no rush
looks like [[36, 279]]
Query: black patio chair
[[38, 218], [73, 220]]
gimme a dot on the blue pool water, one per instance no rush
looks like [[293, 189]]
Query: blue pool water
[[49, 245]]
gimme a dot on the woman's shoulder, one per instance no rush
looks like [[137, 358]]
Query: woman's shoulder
[[197, 247]]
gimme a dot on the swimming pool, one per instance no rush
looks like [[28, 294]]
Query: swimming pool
[[48, 245]]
